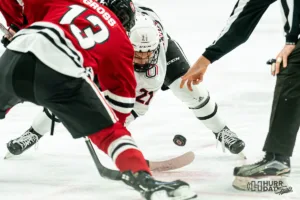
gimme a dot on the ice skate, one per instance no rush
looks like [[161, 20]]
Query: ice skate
[[272, 168], [24, 142], [152, 189], [230, 141]]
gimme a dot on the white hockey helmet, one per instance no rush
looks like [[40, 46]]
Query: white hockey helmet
[[144, 37]]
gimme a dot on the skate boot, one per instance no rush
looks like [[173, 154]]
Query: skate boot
[[272, 167], [22, 143], [230, 140], [152, 189]]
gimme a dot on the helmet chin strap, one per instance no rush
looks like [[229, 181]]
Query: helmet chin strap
[[152, 61], [141, 68]]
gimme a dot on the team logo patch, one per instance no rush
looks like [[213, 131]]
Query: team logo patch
[[152, 72]]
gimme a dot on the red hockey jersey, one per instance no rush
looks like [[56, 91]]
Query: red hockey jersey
[[69, 34]]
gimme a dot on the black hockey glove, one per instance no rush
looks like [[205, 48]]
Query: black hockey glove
[[4, 39]]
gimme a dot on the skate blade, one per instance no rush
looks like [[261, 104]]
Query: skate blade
[[182, 193], [260, 184], [8, 155]]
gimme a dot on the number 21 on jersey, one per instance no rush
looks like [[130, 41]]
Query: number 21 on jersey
[[145, 97], [87, 38]]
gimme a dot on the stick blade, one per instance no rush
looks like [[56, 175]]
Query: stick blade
[[173, 163]]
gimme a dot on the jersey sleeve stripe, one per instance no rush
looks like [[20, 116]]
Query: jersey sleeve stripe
[[120, 106], [118, 103], [117, 98], [238, 9]]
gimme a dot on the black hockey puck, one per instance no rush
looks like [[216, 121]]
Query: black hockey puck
[[179, 140]]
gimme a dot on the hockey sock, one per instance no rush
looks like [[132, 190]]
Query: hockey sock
[[200, 102], [41, 123], [117, 142], [207, 112]]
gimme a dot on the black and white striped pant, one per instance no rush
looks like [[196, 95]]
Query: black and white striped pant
[[77, 102]]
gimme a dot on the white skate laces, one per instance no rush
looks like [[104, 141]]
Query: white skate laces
[[26, 139], [227, 137]]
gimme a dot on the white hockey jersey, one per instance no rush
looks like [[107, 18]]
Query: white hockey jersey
[[150, 82]]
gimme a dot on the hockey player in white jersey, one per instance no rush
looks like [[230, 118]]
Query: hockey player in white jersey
[[159, 63]]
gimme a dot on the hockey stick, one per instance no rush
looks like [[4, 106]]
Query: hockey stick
[[166, 165], [103, 171], [173, 163]]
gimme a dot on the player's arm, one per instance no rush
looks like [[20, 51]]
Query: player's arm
[[291, 14], [119, 81], [240, 25]]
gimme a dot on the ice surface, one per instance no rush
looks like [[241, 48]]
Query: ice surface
[[62, 169]]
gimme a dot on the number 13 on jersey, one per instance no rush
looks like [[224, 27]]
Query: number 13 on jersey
[[87, 38]]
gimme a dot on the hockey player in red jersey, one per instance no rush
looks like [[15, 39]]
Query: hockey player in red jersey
[[48, 63], [65, 15]]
